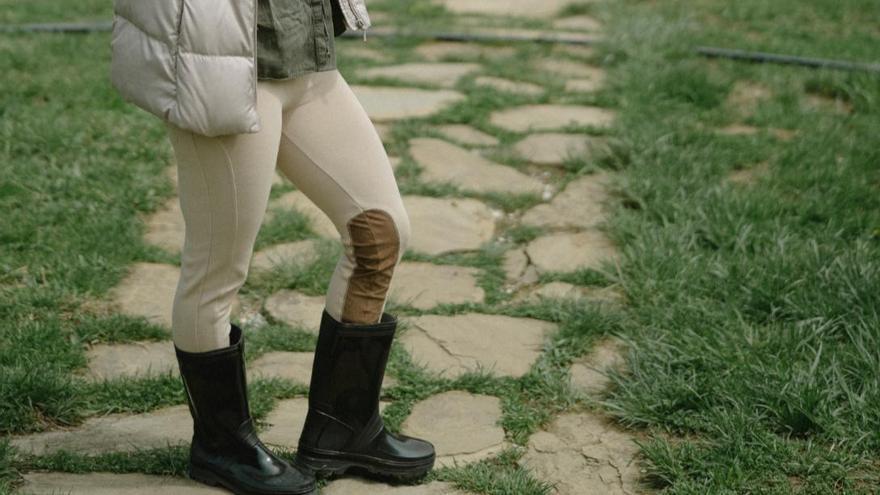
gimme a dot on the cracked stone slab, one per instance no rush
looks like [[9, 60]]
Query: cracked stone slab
[[114, 433], [509, 86], [582, 85], [448, 225], [165, 228], [435, 51], [580, 205], [293, 366], [515, 263], [589, 374], [357, 51], [296, 309], [111, 484], [750, 130], [147, 291], [519, 8], [384, 104], [285, 423], [426, 285], [466, 134], [301, 252], [551, 116], [583, 454], [555, 148], [453, 345], [463, 427], [444, 162], [443, 74], [749, 175], [745, 97], [563, 290], [566, 252], [572, 68], [137, 359], [355, 486], [318, 221], [578, 23]]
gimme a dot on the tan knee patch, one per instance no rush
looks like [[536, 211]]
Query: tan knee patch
[[376, 247]]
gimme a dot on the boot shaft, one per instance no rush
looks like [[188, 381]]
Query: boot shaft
[[347, 376], [216, 389]]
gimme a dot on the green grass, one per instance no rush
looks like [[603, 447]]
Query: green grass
[[753, 320]]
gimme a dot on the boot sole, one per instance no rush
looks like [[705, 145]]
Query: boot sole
[[211, 479], [335, 464]]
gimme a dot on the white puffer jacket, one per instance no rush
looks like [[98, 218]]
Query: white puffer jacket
[[193, 62]]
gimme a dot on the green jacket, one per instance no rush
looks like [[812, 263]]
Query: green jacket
[[296, 36]]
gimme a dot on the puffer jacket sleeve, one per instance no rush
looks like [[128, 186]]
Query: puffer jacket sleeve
[[144, 46], [189, 62]]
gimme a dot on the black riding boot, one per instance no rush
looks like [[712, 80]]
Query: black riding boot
[[225, 449], [343, 428]]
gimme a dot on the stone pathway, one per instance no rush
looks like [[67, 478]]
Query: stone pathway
[[579, 452]]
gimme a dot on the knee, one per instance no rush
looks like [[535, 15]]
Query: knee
[[378, 239]]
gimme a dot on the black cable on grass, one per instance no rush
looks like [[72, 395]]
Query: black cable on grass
[[381, 32], [763, 57]]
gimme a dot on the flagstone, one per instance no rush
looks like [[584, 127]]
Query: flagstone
[[293, 366], [148, 291], [515, 263], [111, 484], [384, 131], [579, 205], [114, 433], [509, 86], [137, 359], [318, 220], [571, 68], [520, 8], [554, 148], [463, 427], [583, 454], [566, 252], [578, 23], [385, 104], [356, 50], [296, 309], [165, 228], [443, 74], [749, 175], [466, 134], [285, 423], [589, 374], [434, 51], [524, 34], [426, 285], [302, 252], [356, 486], [583, 85], [551, 116], [563, 290], [444, 162], [454, 345], [745, 97], [447, 225]]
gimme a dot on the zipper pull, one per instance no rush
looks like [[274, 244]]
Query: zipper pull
[[365, 35]]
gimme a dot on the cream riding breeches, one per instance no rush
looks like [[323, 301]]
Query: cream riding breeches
[[317, 134]]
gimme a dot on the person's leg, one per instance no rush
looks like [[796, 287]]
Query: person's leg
[[331, 151], [224, 185]]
